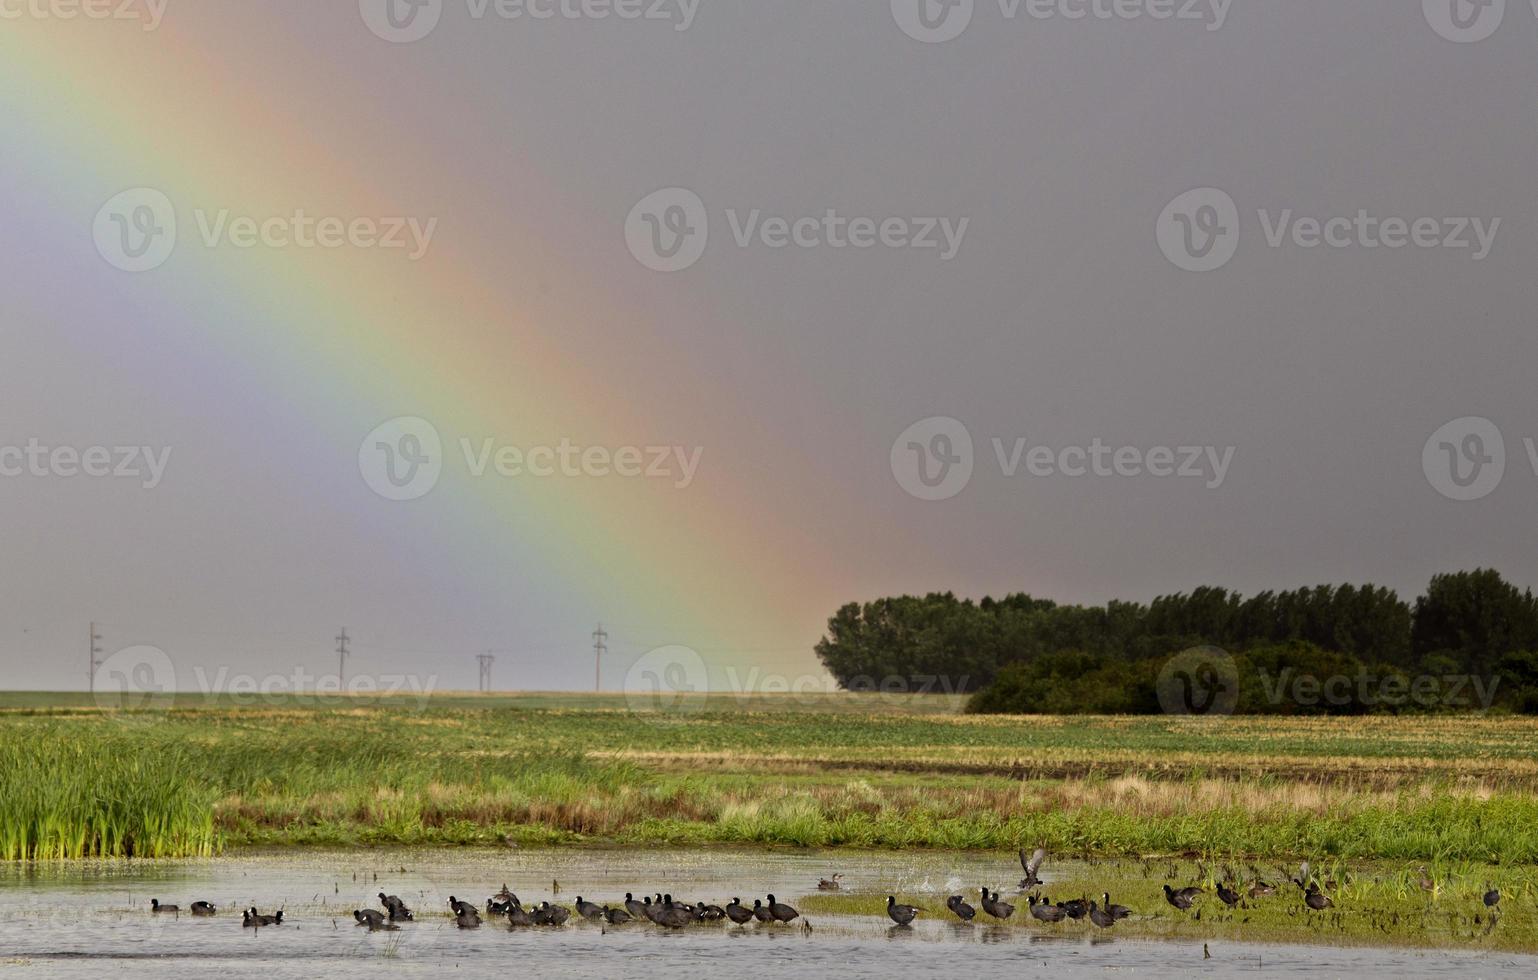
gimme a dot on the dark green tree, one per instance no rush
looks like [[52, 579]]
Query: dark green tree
[[1475, 618]]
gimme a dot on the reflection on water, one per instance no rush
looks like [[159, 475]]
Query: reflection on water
[[79, 920]]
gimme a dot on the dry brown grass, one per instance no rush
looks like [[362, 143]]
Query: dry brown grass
[[1383, 773]]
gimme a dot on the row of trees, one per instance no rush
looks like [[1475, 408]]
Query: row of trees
[[1029, 654]]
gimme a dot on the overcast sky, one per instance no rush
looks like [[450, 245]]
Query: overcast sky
[[1224, 387]]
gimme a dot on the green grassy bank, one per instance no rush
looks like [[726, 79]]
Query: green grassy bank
[[204, 776]]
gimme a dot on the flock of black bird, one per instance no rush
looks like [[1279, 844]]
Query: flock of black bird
[[1103, 914], [1314, 896], [662, 910]]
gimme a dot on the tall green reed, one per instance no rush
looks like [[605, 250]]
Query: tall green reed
[[71, 796]]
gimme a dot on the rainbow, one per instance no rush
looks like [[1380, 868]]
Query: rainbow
[[348, 338]]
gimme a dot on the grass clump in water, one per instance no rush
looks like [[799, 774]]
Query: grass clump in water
[[70, 797]]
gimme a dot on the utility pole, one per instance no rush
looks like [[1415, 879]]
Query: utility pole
[[600, 647], [91, 661], [342, 653], [486, 660]]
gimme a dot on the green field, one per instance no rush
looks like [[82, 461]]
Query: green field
[[203, 776]]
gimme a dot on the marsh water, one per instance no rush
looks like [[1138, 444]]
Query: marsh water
[[93, 920]]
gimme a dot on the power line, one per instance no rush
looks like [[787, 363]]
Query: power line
[[600, 647], [94, 663], [623, 637], [346, 645], [341, 657]]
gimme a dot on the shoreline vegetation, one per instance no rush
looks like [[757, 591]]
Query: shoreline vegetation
[[205, 776], [1375, 905]]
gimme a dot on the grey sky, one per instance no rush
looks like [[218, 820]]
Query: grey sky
[[1058, 321]]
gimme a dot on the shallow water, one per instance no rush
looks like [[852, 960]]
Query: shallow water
[[91, 919]]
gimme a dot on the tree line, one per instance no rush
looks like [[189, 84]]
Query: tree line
[[1025, 654]]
